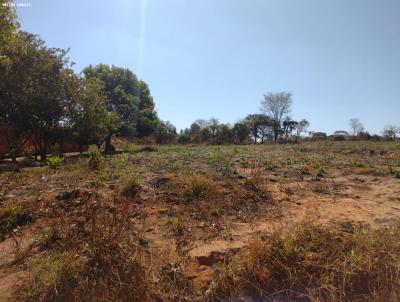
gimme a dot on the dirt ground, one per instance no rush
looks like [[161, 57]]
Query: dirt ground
[[198, 206]]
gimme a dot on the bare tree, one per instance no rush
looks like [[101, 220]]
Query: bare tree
[[390, 132], [356, 126], [202, 123], [276, 106], [302, 127]]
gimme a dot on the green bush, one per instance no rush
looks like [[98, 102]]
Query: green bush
[[95, 157], [132, 148], [55, 162], [320, 169]]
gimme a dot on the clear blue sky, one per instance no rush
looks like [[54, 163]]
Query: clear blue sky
[[203, 58]]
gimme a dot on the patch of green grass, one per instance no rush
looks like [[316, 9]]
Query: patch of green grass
[[97, 182], [320, 169], [132, 148], [55, 162]]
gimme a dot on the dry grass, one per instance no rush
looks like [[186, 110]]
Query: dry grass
[[130, 235], [314, 263], [199, 186], [97, 258], [13, 216]]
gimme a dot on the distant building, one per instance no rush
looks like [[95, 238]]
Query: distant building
[[339, 135], [318, 136]]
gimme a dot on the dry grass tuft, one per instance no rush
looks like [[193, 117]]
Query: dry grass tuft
[[199, 186], [13, 216], [132, 186], [314, 263], [98, 259]]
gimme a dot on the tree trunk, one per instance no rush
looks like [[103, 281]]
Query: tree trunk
[[14, 156], [109, 148], [43, 151], [275, 134]]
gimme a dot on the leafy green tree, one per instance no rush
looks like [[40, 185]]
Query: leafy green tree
[[184, 136], [165, 133], [224, 134], [241, 132], [129, 99], [90, 120], [288, 126], [32, 94], [147, 123], [8, 30], [260, 126], [195, 130]]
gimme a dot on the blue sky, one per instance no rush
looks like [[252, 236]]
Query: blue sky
[[216, 58]]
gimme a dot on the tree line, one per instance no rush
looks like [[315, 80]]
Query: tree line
[[273, 123]]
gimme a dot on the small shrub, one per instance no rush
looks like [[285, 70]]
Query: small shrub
[[132, 186], [199, 186], [95, 157], [320, 169], [55, 162], [216, 212], [97, 182], [119, 161], [178, 225], [13, 216], [270, 164]]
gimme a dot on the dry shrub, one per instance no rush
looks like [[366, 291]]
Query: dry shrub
[[13, 216], [254, 185], [199, 186], [132, 186], [314, 263], [95, 259]]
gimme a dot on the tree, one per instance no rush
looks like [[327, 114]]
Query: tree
[[202, 123], [147, 117], [129, 99], [8, 31], [195, 130], [147, 122], [276, 106], [390, 132], [224, 134], [90, 121], [184, 136], [32, 94], [356, 126], [165, 133], [241, 132], [213, 126], [260, 126], [302, 127], [289, 126]]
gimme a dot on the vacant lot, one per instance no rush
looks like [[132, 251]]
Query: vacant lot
[[306, 222]]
